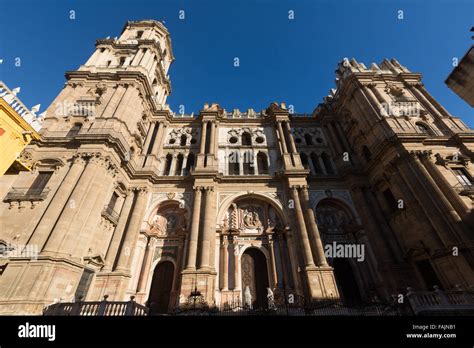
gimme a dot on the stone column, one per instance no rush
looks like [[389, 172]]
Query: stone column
[[212, 142], [46, 224], [202, 145], [58, 235], [282, 137], [194, 236], [346, 144], [445, 186], [185, 163], [83, 227], [235, 255], [151, 130], [453, 219], [425, 101], [334, 142], [307, 256], [112, 251], [315, 236], [223, 276], [174, 159], [146, 265], [208, 229], [290, 137], [274, 274], [133, 231], [157, 144], [92, 230]]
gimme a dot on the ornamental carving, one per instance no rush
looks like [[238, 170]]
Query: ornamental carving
[[253, 218]]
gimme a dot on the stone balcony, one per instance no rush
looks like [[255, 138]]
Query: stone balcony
[[439, 302], [97, 308]]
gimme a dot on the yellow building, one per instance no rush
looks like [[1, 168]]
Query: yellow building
[[18, 126]]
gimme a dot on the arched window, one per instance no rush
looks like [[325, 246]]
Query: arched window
[[179, 164], [246, 139], [327, 163], [248, 165], [304, 160], [262, 163], [309, 139], [183, 140], [169, 158], [74, 130], [189, 163], [316, 165], [234, 163], [423, 128]]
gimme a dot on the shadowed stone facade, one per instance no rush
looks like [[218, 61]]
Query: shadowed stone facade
[[137, 200]]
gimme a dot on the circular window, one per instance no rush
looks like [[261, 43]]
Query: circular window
[[319, 140], [260, 140], [298, 140], [172, 141], [193, 141], [233, 140]]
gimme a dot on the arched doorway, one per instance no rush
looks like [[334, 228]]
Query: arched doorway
[[255, 277], [346, 282], [161, 285]]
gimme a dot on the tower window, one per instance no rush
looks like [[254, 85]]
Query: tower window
[[40, 182], [234, 168], [139, 34], [390, 199], [308, 139], [74, 130], [183, 140], [122, 61], [113, 201], [423, 128], [327, 163], [246, 139], [463, 176]]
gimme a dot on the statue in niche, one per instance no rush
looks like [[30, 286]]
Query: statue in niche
[[271, 299], [247, 298]]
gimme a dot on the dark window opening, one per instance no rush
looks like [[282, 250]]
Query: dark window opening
[[316, 164], [308, 139], [234, 168], [169, 158], [304, 160], [390, 199], [179, 164], [246, 139], [327, 163], [84, 284], [40, 182], [428, 274], [262, 163], [183, 140]]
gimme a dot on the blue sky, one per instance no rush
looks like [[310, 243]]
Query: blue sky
[[280, 59]]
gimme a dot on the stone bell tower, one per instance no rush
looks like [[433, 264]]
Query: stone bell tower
[[87, 165]]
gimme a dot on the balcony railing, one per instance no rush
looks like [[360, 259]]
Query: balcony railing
[[464, 189], [26, 194], [439, 301], [97, 308], [110, 214]]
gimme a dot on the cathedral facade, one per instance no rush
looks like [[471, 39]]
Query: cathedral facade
[[368, 195]]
